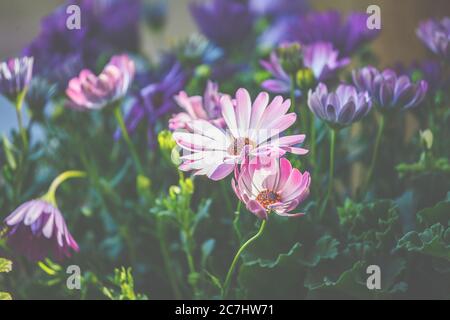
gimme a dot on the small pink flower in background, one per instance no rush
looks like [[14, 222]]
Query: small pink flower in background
[[37, 228], [272, 185], [91, 92], [251, 131], [198, 108]]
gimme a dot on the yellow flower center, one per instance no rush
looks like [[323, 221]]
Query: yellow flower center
[[267, 198]]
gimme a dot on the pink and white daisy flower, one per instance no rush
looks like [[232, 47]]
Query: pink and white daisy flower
[[273, 185], [251, 131]]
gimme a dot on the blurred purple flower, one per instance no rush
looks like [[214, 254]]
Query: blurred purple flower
[[340, 108], [388, 90], [320, 57], [195, 108], [279, 7], [282, 81], [155, 101], [91, 92], [37, 228], [15, 76], [435, 35], [429, 70], [347, 35], [227, 23], [107, 27]]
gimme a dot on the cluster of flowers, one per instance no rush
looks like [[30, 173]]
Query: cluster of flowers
[[219, 135]]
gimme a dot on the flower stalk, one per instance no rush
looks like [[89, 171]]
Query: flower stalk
[[333, 133], [120, 121], [226, 284], [381, 127]]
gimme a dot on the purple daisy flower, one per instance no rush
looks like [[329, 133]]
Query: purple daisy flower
[[15, 76], [340, 108], [435, 35], [37, 228], [388, 90], [227, 23], [154, 101]]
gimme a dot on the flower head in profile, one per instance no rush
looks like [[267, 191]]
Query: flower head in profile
[[251, 131], [323, 60], [37, 228], [198, 108], [340, 108], [265, 185], [435, 35], [91, 92], [15, 76], [388, 90]]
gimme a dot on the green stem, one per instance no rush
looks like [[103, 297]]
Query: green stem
[[166, 257], [331, 171], [292, 93], [237, 215], [62, 178], [313, 139], [190, 261], [236, 258], [22, 131], [381, 126], [126, 137]]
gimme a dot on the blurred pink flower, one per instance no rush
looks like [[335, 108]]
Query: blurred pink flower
[[91, 92], [271, 185], [37, 228], [198, 108], [251, 131]]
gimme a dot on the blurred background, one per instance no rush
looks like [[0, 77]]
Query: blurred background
[[20, 23]]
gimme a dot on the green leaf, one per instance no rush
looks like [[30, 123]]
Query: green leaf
[[5, 265], [440, 213], [214, 280], [433, 241], [8, 148], [5, 296], [325, 248], [207, 249], [278, 279], [377, 223]]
